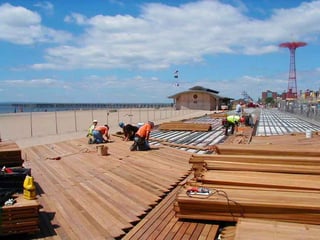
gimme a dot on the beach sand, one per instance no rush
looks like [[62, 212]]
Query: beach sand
[[30, 129]]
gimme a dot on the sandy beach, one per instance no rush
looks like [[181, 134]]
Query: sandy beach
[[29, 129]]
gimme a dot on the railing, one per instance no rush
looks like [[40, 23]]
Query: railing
[[306, 110], [30, 124]]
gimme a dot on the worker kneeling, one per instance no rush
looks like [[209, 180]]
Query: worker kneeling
[[141, 138], [231, 121]]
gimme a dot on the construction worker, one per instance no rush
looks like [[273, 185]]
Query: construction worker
[[129, 131], [101, 134], [141, 139], [239, 109], [231, 121], [90, 129]]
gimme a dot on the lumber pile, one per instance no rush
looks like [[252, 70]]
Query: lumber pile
[[295, 139], [243, 135], [22, 217], [183, 126], [219, 115], [262, 182], [10, 154], [276, 230], [268, 150], [257, 163]]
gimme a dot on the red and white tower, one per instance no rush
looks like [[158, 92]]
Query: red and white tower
[[292, 81]]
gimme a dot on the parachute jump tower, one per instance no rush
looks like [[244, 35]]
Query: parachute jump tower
[[292, 81]]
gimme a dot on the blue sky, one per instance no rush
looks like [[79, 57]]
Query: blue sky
[[118, 51]]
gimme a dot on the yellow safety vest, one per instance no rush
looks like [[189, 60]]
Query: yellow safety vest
[[233, 118]]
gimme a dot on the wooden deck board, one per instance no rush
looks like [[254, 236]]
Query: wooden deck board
[[251, 228], [101, 197], [161, 223]]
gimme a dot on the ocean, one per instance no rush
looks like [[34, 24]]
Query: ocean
[[52, 107]]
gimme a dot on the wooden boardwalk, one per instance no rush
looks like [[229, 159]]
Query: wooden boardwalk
[[161, 223], [88, 196], [129, 195]]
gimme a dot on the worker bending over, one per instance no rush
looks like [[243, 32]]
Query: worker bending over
[[101, 134], [231, 121], [141, 139], [129, 131]]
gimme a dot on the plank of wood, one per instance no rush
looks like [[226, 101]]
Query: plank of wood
[[262, 179], [247, 228], [280, 150], [297, 139], [230, 204], [123, 184], [140, 229], [21, 217], [289, 164], [8, 145], [183, 126], [196, 158], [258, 167]]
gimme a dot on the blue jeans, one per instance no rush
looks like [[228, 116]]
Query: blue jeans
[[97, 137], [141, 144]]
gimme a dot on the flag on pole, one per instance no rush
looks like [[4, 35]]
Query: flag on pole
[[176, 74]]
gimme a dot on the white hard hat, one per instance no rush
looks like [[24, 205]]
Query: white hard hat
[[95, 121]]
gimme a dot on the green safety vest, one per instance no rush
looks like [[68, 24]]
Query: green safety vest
[[233, 118], [90, 129]]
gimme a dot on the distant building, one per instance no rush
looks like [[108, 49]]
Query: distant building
[[268, 94], [309, 95], [200, 98]]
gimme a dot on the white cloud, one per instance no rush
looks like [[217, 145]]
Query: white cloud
[[164, 35], [22, 26], [161, 37], [76, 18], [45, 5], [29, 83]]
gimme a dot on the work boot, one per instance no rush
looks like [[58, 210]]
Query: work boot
[[133, 147]]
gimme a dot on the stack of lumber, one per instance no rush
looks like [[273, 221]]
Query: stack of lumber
[[254, 182], [219, 115], [268, 150], [183, 126], [257, 163], [266, 230], [243, 135], [297, 139], [22, 217], [10, 154]]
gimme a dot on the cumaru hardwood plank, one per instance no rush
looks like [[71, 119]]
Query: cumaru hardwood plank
[[263, 179], [161, 223], [101, 197], [10, 154], [277, 230], [266, 149], [176, 126]]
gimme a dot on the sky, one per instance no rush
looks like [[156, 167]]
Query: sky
[[121, 51]]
